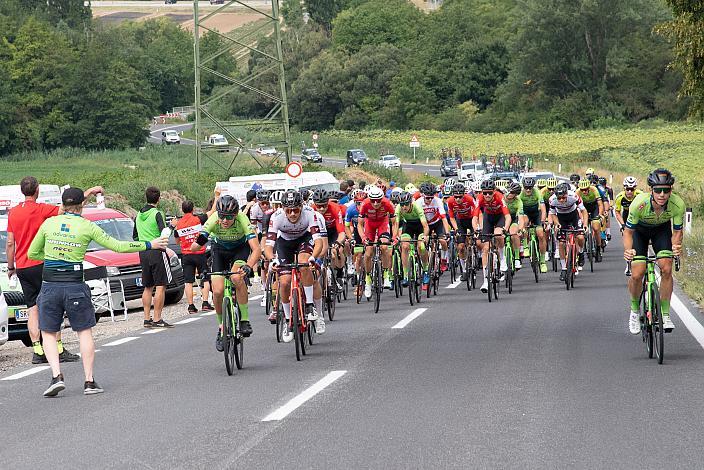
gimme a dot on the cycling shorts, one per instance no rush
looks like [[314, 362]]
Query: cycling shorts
[[571, 220], [660, 236], [492, 221], [464, 227], [438, 228], [412, 228], [286, 249], [224, 260], [332, 235], [534, 219], [593, 211], [375, 230]]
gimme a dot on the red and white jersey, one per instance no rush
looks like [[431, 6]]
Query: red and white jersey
[[496, 206], [434, 210], [334, 219], [256, 216], [280, 226], [320, 220], [462, 208], [571, 204], [373, 215]]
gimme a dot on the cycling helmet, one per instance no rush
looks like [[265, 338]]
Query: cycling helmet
[[447, 191], [594, 179], [630, 182], [360, 195], [337, 195], [574, 178], [661, 177], [584, 184], [375, 193], [405, 198], [477, 186], [276, 197], [551, 183], [514, 188], [291, 198], [263, 195], [541, 183], [602, 181], [320, 196], [590, 171], [227, 205], [428, 189], [458, 189], [488, 185], [394, 197], [562, 189], [410, 188], [305, 194], [528, 182], [450, 182]]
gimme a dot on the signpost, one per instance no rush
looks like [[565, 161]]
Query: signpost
[[315, 140], [415, 143]]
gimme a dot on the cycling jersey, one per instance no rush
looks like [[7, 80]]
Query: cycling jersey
[[187, 230], [622, 203], [377, 216], [352, 215], [434, 211], [461, 209], [515, 208], [333, 217], [256, 216], [642, 213], [590, 197], [571, 204], [238, 234], [531, 203], [414, 214], [494, 207], [281, 227], [62, 242]]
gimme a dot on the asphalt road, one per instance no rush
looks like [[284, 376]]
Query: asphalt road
[[543, 378]]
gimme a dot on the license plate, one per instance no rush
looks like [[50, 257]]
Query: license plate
[[138, 281], [22, 314]]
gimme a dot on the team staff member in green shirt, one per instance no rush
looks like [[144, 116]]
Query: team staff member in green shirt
[[62, 242]]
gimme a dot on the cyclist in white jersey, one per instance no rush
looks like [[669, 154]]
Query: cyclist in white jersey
[[567, 211]]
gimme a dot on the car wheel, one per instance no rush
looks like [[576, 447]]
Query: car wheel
[[174, 297]]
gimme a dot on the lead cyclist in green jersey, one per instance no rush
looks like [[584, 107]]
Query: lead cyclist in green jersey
[[534, 210], [410, 222], [654, 218]]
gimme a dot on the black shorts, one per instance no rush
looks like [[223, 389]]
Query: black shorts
[[438, 228], [223, 259], [332, 235], [571, 220], [491, 221], [464, 227], [31, 282], [660, 236], [155, 268], [193, 263], [534, 219], [413, 228], [72, 298], [593, 211]]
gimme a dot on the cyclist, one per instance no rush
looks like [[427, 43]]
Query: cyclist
[[534, 210], [256, 216], [656, 217], [410, 223], [460, 210], [625, 198], [373, 224], [495, 218], [292, 229], [595, 208], [574, 181], [234, 248], [567, 211], [515, 208], [334, 225], [435, 214], [608, 198], [351, 221]]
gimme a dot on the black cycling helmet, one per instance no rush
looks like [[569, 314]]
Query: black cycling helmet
[[661, 177], [405, 198], [320, 196], [428, 189], [227, 205], [514, 188], [602, 181], [305, 194], [562, 189], [594, 179], [574, 178], [394, 197], [263, 195], [337, 195], [291, 198], [458, 189], [528, 182], [488, 185]]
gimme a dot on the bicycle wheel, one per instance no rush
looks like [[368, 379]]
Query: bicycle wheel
[[490, 273], [267, 303], [280, 319], [509, 280], [535, 259], [346, 283], [452, 261], [645, 321], [417, 286], [310, 331], [497, 276], [331, 305], [659, 331], [359, 286], [411, 279], [431, 264], [554, 252], [377, 285], [569, 267], [228, 336], [238, 346], [296, 327]]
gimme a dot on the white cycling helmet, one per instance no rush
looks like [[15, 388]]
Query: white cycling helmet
[[374, 192], [449, 182], [630, 182], [275, 197], [477, 186]]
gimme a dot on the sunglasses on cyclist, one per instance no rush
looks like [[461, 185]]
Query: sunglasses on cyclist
[[625, 188], [561, 198], [487, 193], [227, 217], [375, 201], [292, 210], [662, 190]]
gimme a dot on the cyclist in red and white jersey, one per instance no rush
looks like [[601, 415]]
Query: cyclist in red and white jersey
[[373, 224], [435, 214], [461, 207], [334, 216], [492, 216], [567, 211]]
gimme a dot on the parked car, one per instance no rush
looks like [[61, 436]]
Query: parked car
[[503, 175], [450, 166], [356, 157], [389, 161], [266, 150], [311, 155], [13, 311], [170, 136], [168, 2], [537, 175], [219, 142], [471, 171]]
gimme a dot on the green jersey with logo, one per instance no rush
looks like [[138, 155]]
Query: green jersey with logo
[[531, 203], [232, 237], [641, 212], [414, 215], [515, 207]]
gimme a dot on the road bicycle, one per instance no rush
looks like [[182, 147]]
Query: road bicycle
[[590, 248], [510, 262], [553, 245], [493, 266], [415, 272], [571, 255], [377, 274], [534, 252], [472, 261], [232, 338], [397, 270], [298, 324], [452, 257], [433, 265], [328, 285]]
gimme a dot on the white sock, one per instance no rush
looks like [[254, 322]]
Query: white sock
[[443, 254], [319, 306], [309, 294], [608, 230], [501, 254], [484, 272], [287, 310], [563, 263], [463, 263]]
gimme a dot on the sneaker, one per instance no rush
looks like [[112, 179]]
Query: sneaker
[[338, 281], [191, 309], [626, 271], [206, 307], [39, 358], [263, 302], [368, 290], [404, 283], [634, 323], [92, 388], [547, 256], [56, 386], [245, 328], [667, 323], [320, 326], [543, 268], [463, 277], [426, 279], [502, 276], [580, 260], [485, 286], [608, 237], [424, 287], [350, 270], [311, 312], [563, 275], [504, 266], [517, 264], [387, 284], [161, 324], [272, 318], [68, 356], [286, 335], [218, 342], [148, 324], [443, 265]]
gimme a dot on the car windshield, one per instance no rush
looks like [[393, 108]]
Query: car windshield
[[358, 154], [171, 133], [390, 157], [325, 186], [219, 140], [116, 228], [450, 161]]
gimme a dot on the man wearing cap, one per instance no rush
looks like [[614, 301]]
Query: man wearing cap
[[61, 242], [23, 223], [392, 185]]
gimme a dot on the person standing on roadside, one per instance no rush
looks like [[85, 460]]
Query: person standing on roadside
[[187, 229], [62, 242], [23, 222], [156, 271], [344, 188]]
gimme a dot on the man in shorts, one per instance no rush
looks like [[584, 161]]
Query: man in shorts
[[187, 229]]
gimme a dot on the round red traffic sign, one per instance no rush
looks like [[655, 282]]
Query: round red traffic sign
[[294, 169], [315, 136]]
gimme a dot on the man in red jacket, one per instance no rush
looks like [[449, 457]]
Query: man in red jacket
[[188, 228]]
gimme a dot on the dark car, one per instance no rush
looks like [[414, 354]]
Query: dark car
[[312, 155], [356, 157], [450, 166], [504, 175]]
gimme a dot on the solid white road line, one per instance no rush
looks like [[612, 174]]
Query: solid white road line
[[453, 285], [79, 354], [154, 331], [26, 373], [304, 396], [187, 320], [688, 319], [256, 297], [121, 341], [208, 314], [409, 318]]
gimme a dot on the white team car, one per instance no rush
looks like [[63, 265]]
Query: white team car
[[389, 161]]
